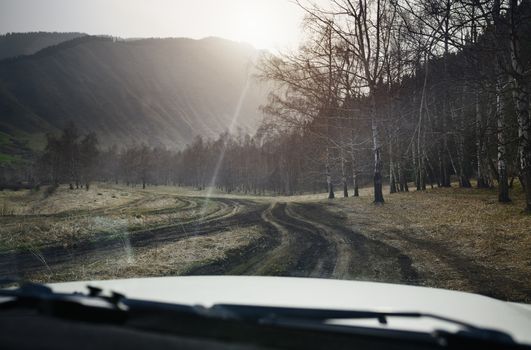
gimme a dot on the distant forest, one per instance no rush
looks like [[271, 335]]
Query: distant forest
[[19, 44], [404, 92]]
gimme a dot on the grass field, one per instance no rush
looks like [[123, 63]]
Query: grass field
[[451, 238]]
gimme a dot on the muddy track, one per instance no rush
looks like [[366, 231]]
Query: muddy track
[[307, 240], [366, 259], [310, 252], [289, 247], [298, 239], [20, 263]]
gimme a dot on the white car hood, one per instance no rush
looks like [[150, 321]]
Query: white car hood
[[512, 318]]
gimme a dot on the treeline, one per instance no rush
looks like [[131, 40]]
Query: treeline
[[259, 164], [69, 158]]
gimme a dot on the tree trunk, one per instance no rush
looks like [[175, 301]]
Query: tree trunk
[[355, 184], [354, 176], [482, 182], [399, 173], [344, 174], [401, 178], [524, 147], [445, 176], [463, 178], [329, 176], [421, 169], [354, 166], [503, 182], [345, 187], [392, 181], [521, 99], [378, 193], [416, 169], [464, 181]]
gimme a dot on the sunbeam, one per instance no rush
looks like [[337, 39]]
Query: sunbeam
[[221, 157]]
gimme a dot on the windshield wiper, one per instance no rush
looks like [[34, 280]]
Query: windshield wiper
[[264, 313], [305, 317]]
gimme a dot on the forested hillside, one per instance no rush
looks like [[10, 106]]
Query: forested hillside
[[159, 91], [19, 44]]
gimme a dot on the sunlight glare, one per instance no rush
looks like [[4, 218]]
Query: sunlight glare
[[258, 23]]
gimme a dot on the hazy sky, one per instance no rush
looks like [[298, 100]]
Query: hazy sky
[[271, 24]]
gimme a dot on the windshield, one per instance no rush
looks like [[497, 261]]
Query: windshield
[[371, 140]]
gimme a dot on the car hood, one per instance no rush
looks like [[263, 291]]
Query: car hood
[[511, 318]]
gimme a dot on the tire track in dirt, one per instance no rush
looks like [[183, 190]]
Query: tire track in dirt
[[323, 246], [18, 263], [228, 208], [246, 260], [196, 210], [315, 256], [289, 247], [265, 256], [182, 205], [337, 240], [368, 259], [304, 240]]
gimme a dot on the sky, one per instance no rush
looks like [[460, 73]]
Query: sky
[[265, 24]]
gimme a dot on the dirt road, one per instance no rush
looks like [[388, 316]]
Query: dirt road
[[301, 244], [297, 239], [292, 244]]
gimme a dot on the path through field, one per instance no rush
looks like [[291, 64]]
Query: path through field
[[294, 242], [303, 239]]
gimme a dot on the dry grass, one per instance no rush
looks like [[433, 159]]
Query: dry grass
[[214, 192], [169, 259], [29, 202], [34, 219], [445, 229]]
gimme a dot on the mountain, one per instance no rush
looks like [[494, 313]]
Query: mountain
[[18, 44], [158, 91]]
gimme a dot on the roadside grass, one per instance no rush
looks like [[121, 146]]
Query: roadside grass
[[45, 202], [169, 259], [439, 225], [31, 220]]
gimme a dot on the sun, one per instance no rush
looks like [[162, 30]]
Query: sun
[[257, 23]]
